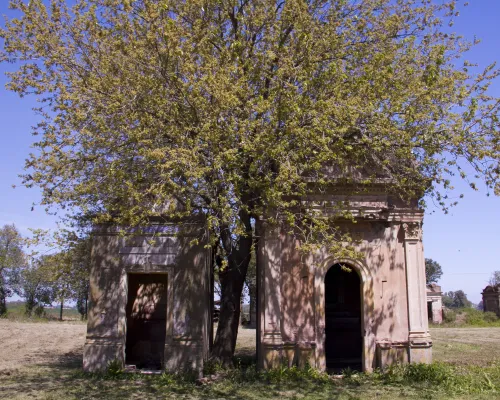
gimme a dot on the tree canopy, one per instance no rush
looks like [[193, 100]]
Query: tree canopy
[[433, 271], [231, 109], [494, 279], [11, 256], [456, 299], [225, 106]]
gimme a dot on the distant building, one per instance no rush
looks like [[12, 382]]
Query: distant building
[[491, 299], [434, 303]]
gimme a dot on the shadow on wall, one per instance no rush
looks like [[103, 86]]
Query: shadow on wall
[[383, 293], [186, 265]]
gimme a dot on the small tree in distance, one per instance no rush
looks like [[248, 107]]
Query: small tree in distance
[[11, 257], [433, 271], [494, 279], [67, 268], [32, 282], [456, 299]]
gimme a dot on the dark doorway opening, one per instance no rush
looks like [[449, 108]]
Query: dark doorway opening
[[343, 340], [146, 320], [429, 310]]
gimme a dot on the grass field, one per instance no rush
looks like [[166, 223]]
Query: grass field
[[43, 361], [16, 311]]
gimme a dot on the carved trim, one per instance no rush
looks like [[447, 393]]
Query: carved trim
[[413, 230], [319, 314]]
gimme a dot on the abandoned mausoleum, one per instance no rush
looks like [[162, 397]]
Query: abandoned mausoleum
[[491, 299], [151, 299]]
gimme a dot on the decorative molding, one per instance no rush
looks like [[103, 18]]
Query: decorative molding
[[413, 230], [319, 308], [152, 230]]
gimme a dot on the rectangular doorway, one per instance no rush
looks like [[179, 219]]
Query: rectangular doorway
[[146, 320]]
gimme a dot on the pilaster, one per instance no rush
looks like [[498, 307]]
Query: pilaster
[[270, 248], [420, 343]]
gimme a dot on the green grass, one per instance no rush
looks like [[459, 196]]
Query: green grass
[[16, 311], [467, 367], [468, 318], [436, 381]]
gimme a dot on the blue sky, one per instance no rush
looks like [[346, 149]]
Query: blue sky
[[465, 242]]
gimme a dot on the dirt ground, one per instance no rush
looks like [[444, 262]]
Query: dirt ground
[[43, 361], [53, 343], [24, 343]]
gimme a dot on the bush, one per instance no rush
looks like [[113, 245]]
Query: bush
[[286, 374], [211, 367], [435, 373], [473, 316], [449, 316], [490, 316], [115, 369]]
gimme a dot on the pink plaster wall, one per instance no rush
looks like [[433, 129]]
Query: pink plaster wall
[[384, 287]]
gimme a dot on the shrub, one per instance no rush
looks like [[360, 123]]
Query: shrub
[[295, 374], [435, 373], [167, 379], [211, 367], [474, 317], [449, 316], [490, 316], [114, 369]]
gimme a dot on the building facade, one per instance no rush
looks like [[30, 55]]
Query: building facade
[[491, 299], [434, 303], [334, 313], [150, 298]]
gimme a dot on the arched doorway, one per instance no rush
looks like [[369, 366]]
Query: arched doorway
[[343, 340]]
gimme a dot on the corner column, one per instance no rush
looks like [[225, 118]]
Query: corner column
[[269, 293], [105, 340], [419, 339]]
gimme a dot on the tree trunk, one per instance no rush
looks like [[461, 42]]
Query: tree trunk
[[61, 311], [253, 306], [3, 303], [3, 297], [232, 279]]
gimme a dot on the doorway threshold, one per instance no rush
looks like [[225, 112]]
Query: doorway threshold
[[132, 369]]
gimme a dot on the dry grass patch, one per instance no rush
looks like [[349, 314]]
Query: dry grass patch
[[466, 346], [43, 361]]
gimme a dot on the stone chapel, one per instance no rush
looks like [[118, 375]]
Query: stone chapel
[[315, 312]]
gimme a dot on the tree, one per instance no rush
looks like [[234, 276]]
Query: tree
[[457, 299], [433, 271], [495, 278], [58, 268], [80, 274], [32, 282], [67, 270], [234, 110], [11, 256]]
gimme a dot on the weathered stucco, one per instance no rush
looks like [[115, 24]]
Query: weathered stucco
[[291, 315], [491, 299], [434, 303], [156, 249], [394, 326]]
